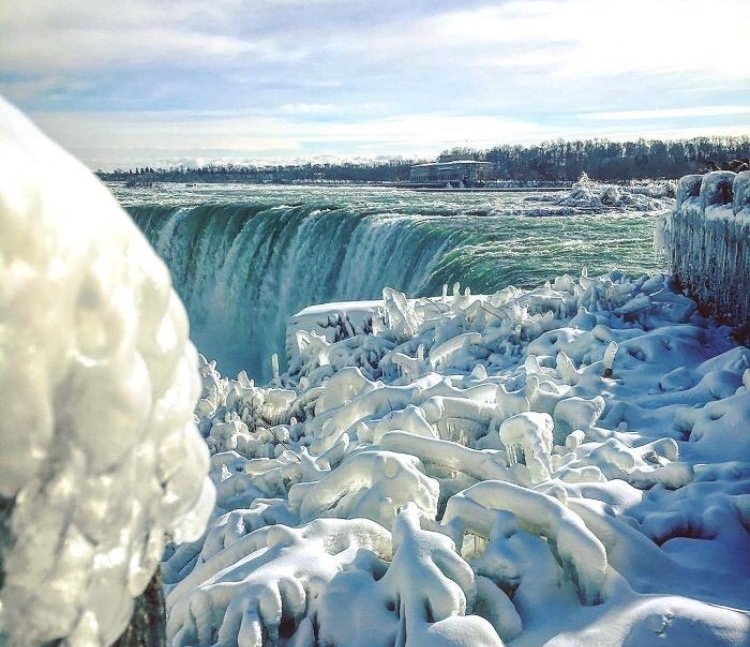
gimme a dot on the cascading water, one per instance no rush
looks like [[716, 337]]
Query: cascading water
[[242, 268]]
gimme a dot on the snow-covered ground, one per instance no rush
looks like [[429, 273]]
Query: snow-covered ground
[[568, 465]]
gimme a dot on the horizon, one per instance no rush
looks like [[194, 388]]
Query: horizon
[[293, 81]]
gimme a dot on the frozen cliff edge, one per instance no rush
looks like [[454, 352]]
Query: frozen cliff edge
[[509, 469], [707, 240], [100, 459]]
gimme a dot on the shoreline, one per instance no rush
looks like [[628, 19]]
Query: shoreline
[[490, 189]]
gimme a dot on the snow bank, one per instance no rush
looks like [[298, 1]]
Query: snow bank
[[515, 468], [705, 239], [100, 457]]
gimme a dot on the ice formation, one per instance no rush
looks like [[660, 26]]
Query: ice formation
[[705, 238], [590, 196], [100, 456], [518, 468]]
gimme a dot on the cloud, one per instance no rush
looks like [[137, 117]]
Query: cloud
[[578, 38], [312, 109], [142, 137], [301, 77], [668, 113], [44, 35]]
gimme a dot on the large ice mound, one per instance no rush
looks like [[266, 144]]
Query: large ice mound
[[590, 196], [100, 457], [560, 466]]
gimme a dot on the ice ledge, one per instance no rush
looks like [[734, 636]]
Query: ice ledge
[[706, 240]]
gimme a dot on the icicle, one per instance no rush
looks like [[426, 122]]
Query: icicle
[[479, 373], [275, 366], [609, 358]]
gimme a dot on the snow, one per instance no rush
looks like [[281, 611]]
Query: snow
[[100, 456], [566, 465]]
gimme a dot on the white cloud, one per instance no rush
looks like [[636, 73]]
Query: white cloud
[[44, 35], [591, 37], [667, 113], [312, 109], [294, 77]]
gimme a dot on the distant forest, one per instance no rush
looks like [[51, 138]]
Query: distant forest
[[560, 160]]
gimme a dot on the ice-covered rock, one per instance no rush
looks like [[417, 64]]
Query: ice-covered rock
[[370, 484], [581, 555], [741, 192], [587, 195], [263, 587], [425, 597]]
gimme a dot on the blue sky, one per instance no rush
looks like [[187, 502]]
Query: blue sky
[[165, 82]]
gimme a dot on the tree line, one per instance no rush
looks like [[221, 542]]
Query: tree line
[[559, 160], [606, 160]]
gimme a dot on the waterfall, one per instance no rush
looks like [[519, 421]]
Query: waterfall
[[242, 269]]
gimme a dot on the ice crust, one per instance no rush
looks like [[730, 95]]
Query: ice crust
[[100, 456], [567, 465]]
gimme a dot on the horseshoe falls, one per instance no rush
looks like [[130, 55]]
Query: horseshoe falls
[[245, 258]]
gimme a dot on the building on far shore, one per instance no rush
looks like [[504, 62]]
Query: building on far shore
[[457, 173]]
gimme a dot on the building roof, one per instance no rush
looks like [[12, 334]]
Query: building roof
[[452, 163]]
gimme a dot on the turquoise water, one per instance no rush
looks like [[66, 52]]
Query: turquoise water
[[244, 258]]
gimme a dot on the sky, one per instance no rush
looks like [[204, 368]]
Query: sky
[[168, 82]]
